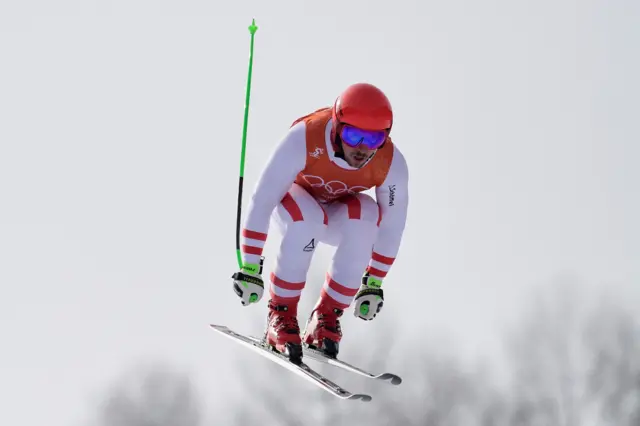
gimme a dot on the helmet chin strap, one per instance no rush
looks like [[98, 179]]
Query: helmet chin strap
[[337, 142]]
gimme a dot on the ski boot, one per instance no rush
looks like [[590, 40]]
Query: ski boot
[[283, 332], [323, 331]]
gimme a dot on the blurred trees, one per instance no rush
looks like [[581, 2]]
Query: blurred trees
[[151, 396], [574, 363], [569, 363], [612, 338]]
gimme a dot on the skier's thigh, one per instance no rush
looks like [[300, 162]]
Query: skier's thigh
[[299, 207], [302, 224], [351, 216]]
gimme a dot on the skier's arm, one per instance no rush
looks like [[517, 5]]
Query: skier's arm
[[286, 161], [393, 198]]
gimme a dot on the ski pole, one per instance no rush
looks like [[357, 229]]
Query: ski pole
[[252, 29]]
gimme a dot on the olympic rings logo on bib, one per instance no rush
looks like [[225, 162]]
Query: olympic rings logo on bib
[[331, 190]]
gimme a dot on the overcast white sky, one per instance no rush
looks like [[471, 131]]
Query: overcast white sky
[[120, 128]]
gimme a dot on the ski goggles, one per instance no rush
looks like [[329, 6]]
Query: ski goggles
[[354, 136]]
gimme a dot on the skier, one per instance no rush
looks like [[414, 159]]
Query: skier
[[311, 188]]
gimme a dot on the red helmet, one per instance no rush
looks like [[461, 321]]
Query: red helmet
[[365, 106]]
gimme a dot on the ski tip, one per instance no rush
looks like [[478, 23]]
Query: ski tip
[[395, 380], [218, 327], [360, 397]]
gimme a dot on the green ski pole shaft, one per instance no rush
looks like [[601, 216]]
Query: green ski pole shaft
[[252, 29]]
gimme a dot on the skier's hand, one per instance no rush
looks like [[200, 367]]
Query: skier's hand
[[369, 299], [248, 283]]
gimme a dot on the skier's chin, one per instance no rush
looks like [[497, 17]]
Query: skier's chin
[[358, 161]]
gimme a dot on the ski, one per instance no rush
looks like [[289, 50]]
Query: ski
[[317, 355], [301, 369]]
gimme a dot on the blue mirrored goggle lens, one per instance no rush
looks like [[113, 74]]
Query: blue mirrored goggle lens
[[354, 136]]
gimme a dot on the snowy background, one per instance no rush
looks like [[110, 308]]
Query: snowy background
[[516, 293]]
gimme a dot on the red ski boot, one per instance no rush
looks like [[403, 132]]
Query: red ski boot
[[323, 331], [283, 332]]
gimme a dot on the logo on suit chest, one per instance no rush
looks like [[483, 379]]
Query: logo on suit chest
[[331, 190], [317, 153]]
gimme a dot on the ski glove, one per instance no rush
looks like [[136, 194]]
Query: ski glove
[[369, 299], [248, 283]]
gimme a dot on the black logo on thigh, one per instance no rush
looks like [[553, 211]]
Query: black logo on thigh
[[309, 247]]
